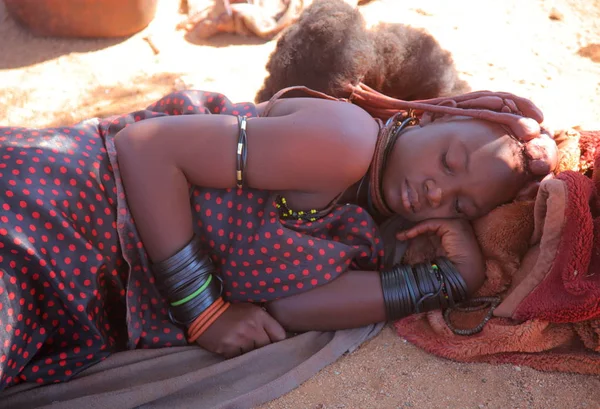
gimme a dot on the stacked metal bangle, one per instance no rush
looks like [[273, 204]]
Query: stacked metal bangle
[[424, 287], [188, 281], [241, 153]]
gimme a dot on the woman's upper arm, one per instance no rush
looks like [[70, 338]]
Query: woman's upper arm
[[309, 145]]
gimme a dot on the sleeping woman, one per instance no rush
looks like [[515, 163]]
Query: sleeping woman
[[201, 221]]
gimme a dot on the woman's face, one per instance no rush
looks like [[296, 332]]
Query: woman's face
[[452, 168]]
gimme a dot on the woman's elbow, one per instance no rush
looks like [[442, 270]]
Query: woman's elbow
[[136, 147], [124, 143], [137, 136]]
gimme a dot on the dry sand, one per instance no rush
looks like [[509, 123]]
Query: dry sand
[[546, 50]]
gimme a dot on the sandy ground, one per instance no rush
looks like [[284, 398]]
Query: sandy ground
[[546, 50]]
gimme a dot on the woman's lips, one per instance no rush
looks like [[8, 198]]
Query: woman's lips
[[410, 198]]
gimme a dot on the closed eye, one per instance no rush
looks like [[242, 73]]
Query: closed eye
[[444, 160], [459, 211]]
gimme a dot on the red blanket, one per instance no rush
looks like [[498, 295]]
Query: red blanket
[[543, 261]]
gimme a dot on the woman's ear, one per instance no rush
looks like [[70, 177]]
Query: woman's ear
[[429, 117]]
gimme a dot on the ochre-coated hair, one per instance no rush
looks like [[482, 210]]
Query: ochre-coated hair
[[329, 47], [519, 117], [393, 72]]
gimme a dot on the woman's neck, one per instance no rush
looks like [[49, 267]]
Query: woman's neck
[[358, 194]]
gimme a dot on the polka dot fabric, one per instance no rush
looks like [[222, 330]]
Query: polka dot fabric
[[75, 284], [263, 257], [62, 279]]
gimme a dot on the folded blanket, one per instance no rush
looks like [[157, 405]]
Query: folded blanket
[[543, 261], [190, 377]]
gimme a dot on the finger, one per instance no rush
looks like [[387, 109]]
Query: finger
[[505, 110], [273, 329], [232, 352], [527, 108], [524, 105], [247, 346], [428, 226], [261, 339], [524, 129], [510, 104]]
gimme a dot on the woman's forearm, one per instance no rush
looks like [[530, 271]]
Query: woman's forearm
[[352, 300]]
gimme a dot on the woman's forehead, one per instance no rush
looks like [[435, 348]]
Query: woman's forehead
[[475, 129], [479, 136]]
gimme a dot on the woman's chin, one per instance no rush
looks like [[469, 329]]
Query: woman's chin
[[402, 212], [410, 216]]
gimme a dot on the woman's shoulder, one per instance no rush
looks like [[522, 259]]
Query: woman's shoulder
[[341, 122]]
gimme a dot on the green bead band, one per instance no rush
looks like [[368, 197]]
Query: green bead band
[[194, 294]]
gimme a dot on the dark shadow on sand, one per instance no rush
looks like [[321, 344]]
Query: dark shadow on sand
[[102, 102]]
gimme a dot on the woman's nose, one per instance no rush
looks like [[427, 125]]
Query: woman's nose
[[433, 193]]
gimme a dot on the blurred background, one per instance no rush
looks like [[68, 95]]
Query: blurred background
[[547, 50]]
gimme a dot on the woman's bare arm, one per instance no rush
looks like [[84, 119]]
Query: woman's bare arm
[[309, 145], [355, 298], [352, 300]]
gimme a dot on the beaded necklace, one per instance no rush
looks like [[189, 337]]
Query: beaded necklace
[[300, 215]]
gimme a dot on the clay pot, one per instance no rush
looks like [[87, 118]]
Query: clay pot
[[83, 18]]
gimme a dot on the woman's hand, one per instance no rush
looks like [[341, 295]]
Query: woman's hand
[[242, 328], [460, 245]]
